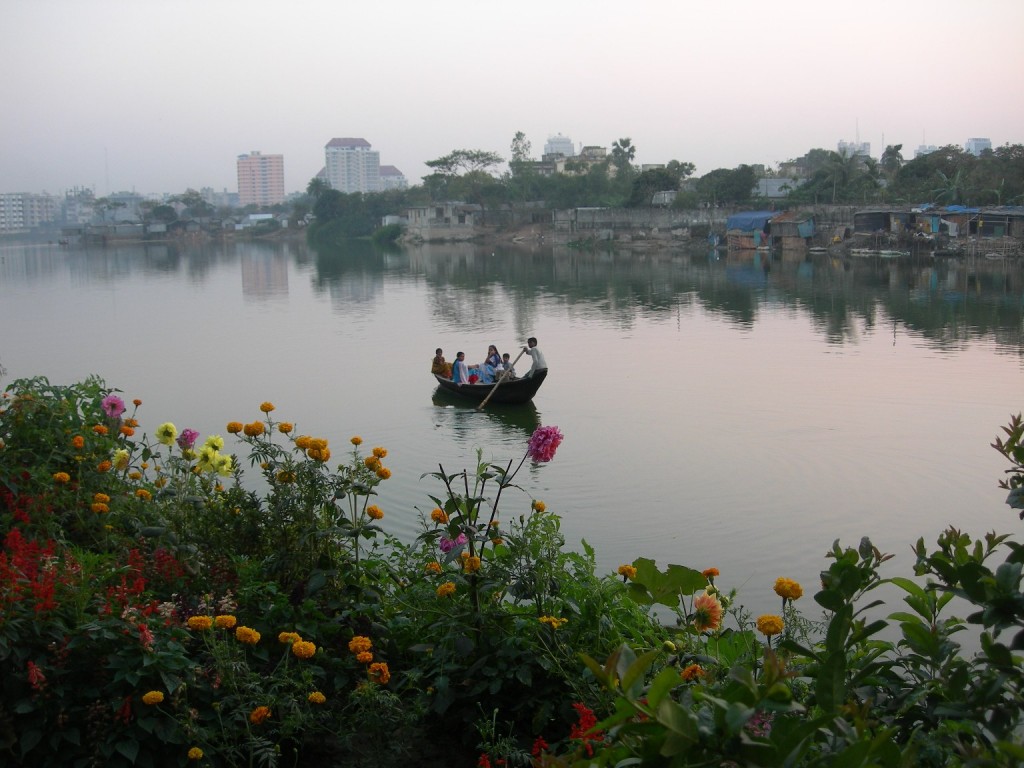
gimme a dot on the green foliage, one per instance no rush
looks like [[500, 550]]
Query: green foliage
[[151, 608]]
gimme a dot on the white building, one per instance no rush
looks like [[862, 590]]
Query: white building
[[392, 178], [352, 166], [977, 146], [559, 145], [22, 211], [925, 149], [851, 148]]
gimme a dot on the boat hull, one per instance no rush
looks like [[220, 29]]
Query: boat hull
[[509, 392]]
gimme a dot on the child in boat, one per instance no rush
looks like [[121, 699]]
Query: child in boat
[[439, 366]]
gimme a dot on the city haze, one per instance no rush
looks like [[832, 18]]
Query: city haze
[[156, 97]]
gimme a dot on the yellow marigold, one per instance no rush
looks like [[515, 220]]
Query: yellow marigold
[[121, 458], [769, 625], [103, 466], [143, 494], [255, 429], [433, 567], [692, 672], [126, 430], [99, 429], [225, 621], [379, 452], [364, 657], [379, 672], [316, 698], [136, 475], [152, 697], [471, 564], [195, 753], [445, 590], [538, 506], [359, 643], [131, 422], [101, 498], [371, 462], [552, 621], [260, 715], [438, 516], [303, 649], [356, 440], [383, 473], [61, 477], [284, 476], [498, 541], [373, 512], [285, 427], [627, 571], [788, 589], [160, 482], [166, 433], [99, 508], [319, 454], [709, 573], [318, 443], [200, 623], [247, 635], [78, 441], [266, 407], [302, 441], [289, 637], [234, 427]]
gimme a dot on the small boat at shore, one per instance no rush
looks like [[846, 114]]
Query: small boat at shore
[[508, 392]]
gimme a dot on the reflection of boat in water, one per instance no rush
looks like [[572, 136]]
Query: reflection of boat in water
[[523, 418], [869, 252], [509, 392]]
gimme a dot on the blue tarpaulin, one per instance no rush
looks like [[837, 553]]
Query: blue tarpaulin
[[749, 221]]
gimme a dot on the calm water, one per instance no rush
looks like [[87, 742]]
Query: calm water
[[735, 412]]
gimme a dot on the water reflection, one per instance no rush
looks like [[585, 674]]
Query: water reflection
[[463, 419]]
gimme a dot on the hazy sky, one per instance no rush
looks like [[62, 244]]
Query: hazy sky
[[161, 95]]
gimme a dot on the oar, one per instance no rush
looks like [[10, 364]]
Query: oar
[[498, 382]]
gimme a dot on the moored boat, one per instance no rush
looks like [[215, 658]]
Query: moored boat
[[508, 392]]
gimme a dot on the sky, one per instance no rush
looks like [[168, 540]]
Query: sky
[[156, 97]]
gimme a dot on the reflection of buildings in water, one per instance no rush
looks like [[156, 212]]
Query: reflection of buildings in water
[[264, 274]]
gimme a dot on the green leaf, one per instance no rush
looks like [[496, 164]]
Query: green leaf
[[129, 748], [663, 682]]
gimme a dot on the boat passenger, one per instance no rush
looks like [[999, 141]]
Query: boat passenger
[[439, 366], [491, 367], [460, 371], [506, 364]]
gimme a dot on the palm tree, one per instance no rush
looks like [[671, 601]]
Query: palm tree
[[952, 190]]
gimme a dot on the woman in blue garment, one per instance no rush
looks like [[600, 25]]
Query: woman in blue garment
[[491, 366]]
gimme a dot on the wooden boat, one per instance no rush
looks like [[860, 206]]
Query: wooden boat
[[510, 392]]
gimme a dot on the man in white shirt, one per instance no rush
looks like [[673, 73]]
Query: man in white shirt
[[539, 363]]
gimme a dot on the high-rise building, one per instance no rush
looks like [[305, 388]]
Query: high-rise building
[[977, 146], [260, 179], [559, 145], [352, 166], [851, 148], [22, 211], [392, 178]]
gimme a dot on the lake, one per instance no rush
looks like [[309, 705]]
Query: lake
[[727, 410]]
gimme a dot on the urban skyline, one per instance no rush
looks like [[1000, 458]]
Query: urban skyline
[[117, 94]]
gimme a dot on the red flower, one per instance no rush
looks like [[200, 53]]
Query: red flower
[[484, 761], [36, 678], [539, 747]]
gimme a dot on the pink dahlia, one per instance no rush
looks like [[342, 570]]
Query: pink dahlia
[[187, 439], [543, 443], [112, 405]]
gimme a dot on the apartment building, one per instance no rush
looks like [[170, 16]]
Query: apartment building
[[260, 179], [352, 165]]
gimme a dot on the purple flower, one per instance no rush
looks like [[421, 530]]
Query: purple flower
[[187, 439], [113, 406], [447, 545], [543, 443]]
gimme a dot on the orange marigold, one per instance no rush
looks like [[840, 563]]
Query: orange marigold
[[136, 402], [78, 441], [438, 516], [247, 635], [260, 715], [769, 625], [126, 430], [383, 473], [289, 637], [234, 427], [359, 643], [692, 672], [788, 589], [374, 512], [143, 494], [316, 698], [364, 657], [379, 672], [446, 590], [627, 571], [709, 574], [285, 427], [379, 452], [303, 649], [99, 429], [99, 507], [319, 454], [356, 440], [255, 429], [225, 621], [199, 623], [433, 567], [103, 466], [61, 477], [302, 441], [266, 407]]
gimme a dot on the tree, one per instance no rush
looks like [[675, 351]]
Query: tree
[[727, 186], [195, 204], [649, 182], [680, 170], [316, 187], [520, 150], [623, 153], [892, 160], [952, 189], [471, 166]]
